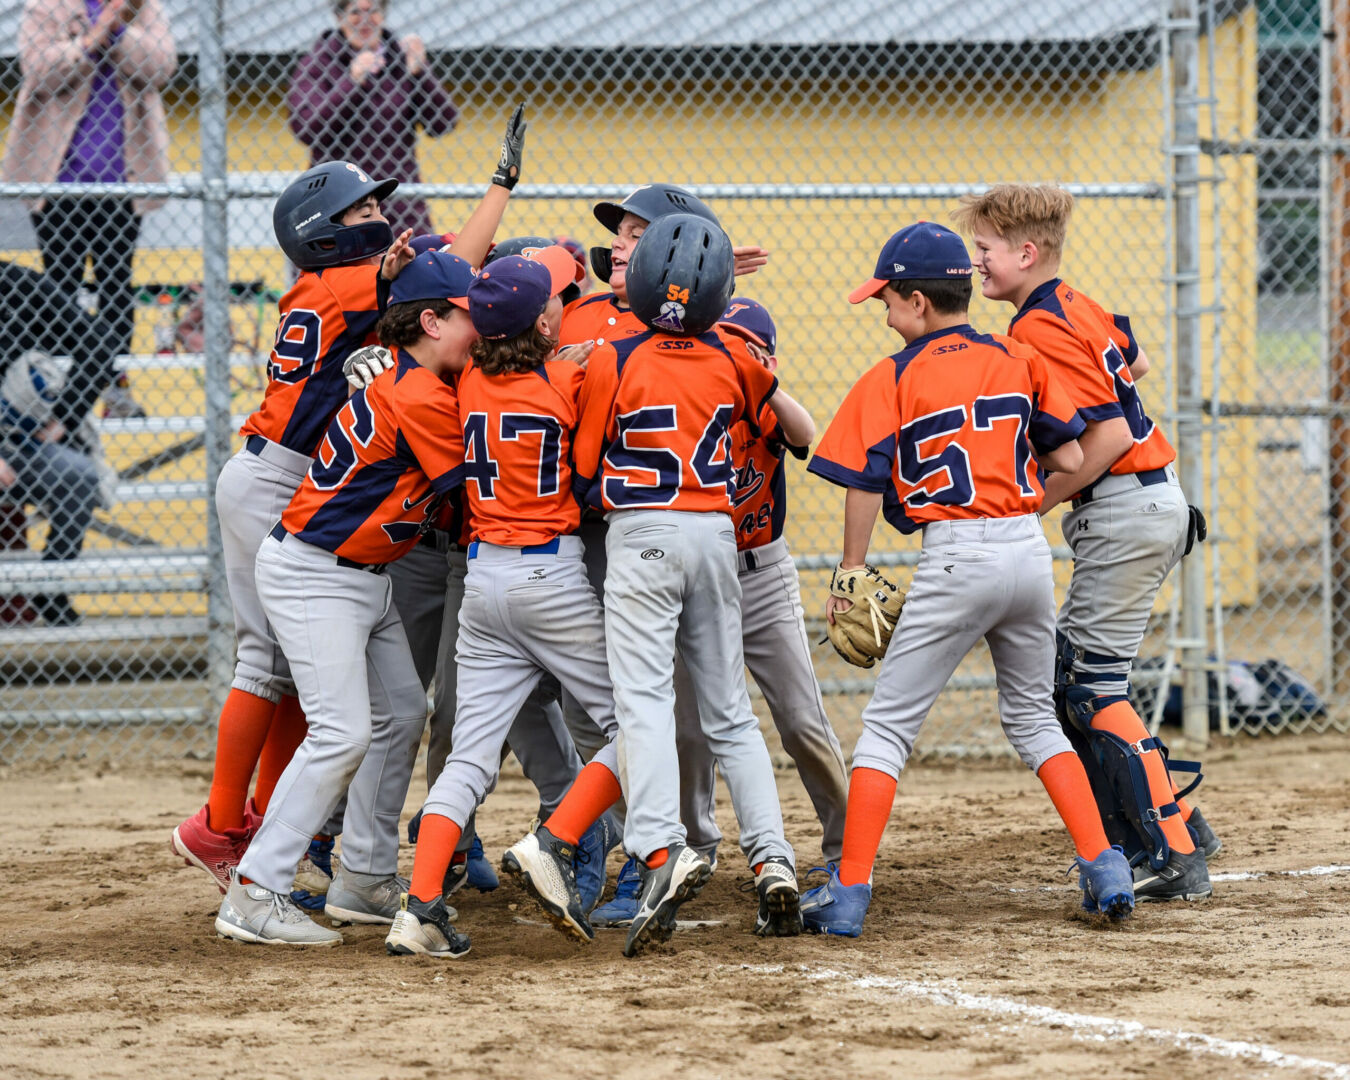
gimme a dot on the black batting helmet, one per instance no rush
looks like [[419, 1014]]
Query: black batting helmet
[[681, 274], [308, 217], [652, 201]]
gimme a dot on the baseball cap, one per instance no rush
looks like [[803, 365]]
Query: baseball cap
[[434, 275], [751, 320], [510, 293], [922, 250], [431, 242]]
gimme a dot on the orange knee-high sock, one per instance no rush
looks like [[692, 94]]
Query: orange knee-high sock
[[871, 793], [285, 734], [1067, 784], [593, 792], [1120, 719], [657, 858], [244, 721], [435, 848]]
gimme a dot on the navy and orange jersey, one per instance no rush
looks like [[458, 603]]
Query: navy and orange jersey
[[325, 316], [656, 414], [518, 452], [385, 469], [599, 318], [1090, 352], [759, 505], [945, 429]]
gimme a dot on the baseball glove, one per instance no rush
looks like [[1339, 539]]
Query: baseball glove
[[861, 634]]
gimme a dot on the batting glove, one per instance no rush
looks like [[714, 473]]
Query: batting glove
[[513, 147], [366, 364]]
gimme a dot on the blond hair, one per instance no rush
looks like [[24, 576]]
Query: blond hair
[[1018, 213]]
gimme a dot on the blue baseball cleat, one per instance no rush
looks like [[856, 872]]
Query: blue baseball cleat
[[314, 874], [414, 827], [479, 872], [620, 910], [594, 848], [836, 908], [1108, 884]]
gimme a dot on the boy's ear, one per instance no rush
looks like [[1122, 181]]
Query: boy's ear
[[1029, 255], [429, 323]]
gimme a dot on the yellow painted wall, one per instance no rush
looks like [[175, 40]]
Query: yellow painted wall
[[1101, 129]]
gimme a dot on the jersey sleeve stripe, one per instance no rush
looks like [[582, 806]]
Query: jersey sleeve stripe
[[1096, 413], [1049, 433]]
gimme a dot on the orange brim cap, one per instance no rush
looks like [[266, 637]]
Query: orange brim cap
[[562, 268], [867, 290]]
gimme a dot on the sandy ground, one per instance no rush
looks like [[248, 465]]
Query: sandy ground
[[975, 962]]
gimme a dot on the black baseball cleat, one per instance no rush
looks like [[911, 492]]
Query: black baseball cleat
[[423, 929], [681, 877], [780, 913], [1184, 877], [1204, 837]]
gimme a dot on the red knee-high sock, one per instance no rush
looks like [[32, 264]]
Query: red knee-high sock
[[1120, 719], [435, 848], [285, 734], [1067, 784], [871, 793], [593, 792], [244, 721]]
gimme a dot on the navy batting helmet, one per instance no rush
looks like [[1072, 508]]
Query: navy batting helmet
[[308, 217], [652, 201], [681, 274]]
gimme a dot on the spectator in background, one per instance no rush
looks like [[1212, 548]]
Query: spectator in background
[[89, 111], [359, 95], [46, 447]]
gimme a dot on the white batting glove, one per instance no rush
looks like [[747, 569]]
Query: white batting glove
[[366, 364]]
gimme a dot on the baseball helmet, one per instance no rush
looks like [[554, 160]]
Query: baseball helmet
[[307, 219], [652, 201], [681, 274]]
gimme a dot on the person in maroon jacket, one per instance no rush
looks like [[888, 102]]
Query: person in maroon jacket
[[359, 95]]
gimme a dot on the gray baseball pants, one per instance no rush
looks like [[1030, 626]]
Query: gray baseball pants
[[527, 612], [985, 578], [359, 689], [671, 582]]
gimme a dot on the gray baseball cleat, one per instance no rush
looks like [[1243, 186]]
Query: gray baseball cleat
[[363, 898], [542, 864], [780, 912], [423, 929], [259, 916], [1205, 838], [681, 877]]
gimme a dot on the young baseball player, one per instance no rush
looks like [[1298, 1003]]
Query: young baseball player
[[777, 650], [1128, 527], [329, 224], [653, 451], [386, 466], [945, 437], [528, 608]]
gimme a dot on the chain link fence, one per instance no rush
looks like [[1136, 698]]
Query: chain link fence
[[144, 150]]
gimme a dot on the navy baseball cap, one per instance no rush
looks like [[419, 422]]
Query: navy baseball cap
[[512, 292], [434, 275], [922, 250], [751, 320], [431, 242]]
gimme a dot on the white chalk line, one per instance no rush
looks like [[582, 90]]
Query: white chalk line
[[1238, 875], [1102, 1029]]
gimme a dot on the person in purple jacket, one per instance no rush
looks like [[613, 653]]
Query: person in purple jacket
[[359, 95]]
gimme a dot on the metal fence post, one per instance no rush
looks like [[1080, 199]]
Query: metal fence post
[[1184, 31], [216, 327]]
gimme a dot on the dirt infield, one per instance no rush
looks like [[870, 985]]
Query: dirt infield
[[975, 961]]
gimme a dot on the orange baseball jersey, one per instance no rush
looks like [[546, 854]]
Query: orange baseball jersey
[[598, 318], [518, 451], [1090, 352], [325, 315], [759, 504], [656, 411], [945, 429], [385, 468]]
